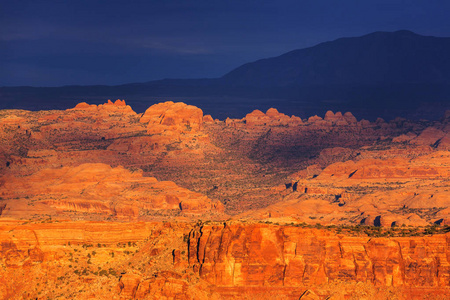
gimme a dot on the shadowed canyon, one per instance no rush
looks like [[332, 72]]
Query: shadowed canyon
[[101, 202]]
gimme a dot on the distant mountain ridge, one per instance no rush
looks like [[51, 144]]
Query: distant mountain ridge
[[385, 74], [377, 58]]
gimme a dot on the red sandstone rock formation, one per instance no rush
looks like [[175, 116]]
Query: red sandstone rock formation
[[212, 157], [390, 192], [59, 165], [271, 256], [272, 118], [258, 261], [208, 119], [172, 117], [97, 189]]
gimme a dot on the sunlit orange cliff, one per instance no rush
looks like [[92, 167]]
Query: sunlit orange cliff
[[99, 202]]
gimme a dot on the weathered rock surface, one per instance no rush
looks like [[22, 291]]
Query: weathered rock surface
[[389, 192], [172, 116], [85, 164], [272, 256], [98, 190], [94, 260], [234, 162], [105, 260], [271, 117]]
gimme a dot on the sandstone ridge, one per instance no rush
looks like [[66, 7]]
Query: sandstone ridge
[[90, 190], [100, 202]]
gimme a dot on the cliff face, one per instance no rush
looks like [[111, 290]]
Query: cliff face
[[266, 256], [70, 180], [105, 260]]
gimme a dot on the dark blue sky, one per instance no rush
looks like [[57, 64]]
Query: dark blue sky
[[52, 43]]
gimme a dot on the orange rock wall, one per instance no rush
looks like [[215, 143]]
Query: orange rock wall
[[232, 261], [285, 256]]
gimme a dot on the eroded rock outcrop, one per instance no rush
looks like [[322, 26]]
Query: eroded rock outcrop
[[268, 167], [173, 116], [235, 255], [271, 118], [98, 189], [369, 191]]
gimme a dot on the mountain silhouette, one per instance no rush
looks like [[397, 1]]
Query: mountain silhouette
[[385, 74], [378, 58]]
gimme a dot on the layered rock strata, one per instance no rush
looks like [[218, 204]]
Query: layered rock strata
[[238, 256], [104, 260], [98, 191]]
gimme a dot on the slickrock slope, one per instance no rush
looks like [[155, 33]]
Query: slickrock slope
[[98, 191], [367, 191], [111, 133], [237, 162], [312, 145], [100, 202]]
